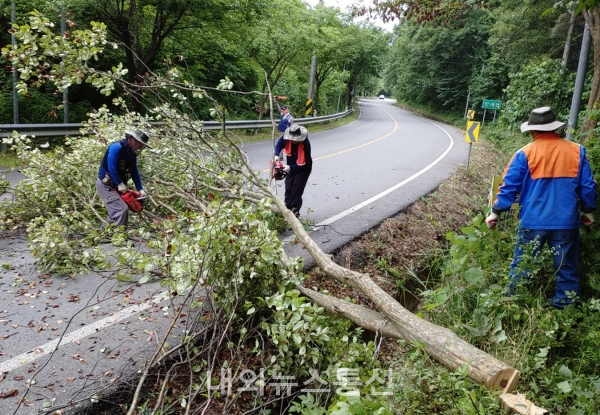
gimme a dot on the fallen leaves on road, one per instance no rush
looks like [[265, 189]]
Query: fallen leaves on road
[[4, 395], [78, 357]]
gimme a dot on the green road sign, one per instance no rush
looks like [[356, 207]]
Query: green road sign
[[491, 104]]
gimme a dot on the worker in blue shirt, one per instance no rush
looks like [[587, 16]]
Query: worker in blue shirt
[[286, 118], [118, 165]]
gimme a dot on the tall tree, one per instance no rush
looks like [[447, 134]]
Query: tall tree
[[365, 48], [330, 47], [286, 31], [434, 65], [590, 9], [143, 26]]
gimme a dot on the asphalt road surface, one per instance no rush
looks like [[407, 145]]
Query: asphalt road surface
[[369, 170], [68, 340]]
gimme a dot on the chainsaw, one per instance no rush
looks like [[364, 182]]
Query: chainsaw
[[277, 171], [135, 201]]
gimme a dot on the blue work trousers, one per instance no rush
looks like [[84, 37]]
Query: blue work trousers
[[564, 245]]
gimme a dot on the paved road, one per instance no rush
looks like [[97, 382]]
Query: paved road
[[105, 330], [369, 170]]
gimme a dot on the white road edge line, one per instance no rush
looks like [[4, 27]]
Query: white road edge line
[[87, 330], [391, 189]]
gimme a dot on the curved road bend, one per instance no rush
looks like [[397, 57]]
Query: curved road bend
[[369, 170]]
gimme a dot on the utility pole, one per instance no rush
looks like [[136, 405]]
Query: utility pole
[[311, 78], [579, 80], [337, 108], [311, 81]]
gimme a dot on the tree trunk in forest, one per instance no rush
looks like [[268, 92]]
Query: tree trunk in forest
[[567, 49], [592, 18], [349, 95]]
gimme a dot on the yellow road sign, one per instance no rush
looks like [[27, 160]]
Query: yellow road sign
[[470, 114], [472, 134]]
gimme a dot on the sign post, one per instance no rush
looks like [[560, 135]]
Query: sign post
[[471, 136], [490, 104]]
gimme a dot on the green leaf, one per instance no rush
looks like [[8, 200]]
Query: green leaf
[[500, 336], [565, 371], [474, 275], [565, 386]]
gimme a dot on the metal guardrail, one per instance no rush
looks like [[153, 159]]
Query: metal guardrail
[[73, 129]]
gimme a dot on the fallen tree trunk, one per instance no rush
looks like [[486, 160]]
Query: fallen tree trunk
[[439, 342]]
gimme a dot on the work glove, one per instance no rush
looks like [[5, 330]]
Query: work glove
[[286, 168], [122, 188], [587, 219], [492, 220], [276, 158], [142, 193]]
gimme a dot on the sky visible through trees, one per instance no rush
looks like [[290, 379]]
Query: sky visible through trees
[[345, 4]]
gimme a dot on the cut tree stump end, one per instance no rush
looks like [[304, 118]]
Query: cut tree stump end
[[517, 404]]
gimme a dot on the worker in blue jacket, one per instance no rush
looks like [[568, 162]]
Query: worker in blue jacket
[[557, 195], [286, 117], [296, 147], [118, 165]]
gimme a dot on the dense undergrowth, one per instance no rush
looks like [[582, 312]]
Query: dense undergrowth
[[455, 269]]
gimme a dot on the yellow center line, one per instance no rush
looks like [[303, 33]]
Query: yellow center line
[[356, 147], [364, 144]]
